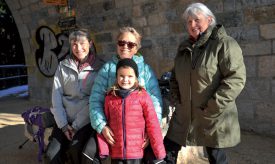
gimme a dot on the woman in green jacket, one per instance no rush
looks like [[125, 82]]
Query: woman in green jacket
[[208, 75]]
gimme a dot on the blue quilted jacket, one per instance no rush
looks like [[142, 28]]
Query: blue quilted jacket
[[106, 78]]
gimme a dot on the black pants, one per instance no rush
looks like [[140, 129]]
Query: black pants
[[61, 150], [90, 151], [215, 155], [172, 149], [127, 161], [149, 156]]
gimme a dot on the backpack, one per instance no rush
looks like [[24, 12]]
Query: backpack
[[38, 120]]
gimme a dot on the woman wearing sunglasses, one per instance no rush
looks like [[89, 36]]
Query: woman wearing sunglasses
[[128, 44]]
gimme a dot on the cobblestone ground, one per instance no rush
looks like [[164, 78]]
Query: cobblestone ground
[[254, 149]]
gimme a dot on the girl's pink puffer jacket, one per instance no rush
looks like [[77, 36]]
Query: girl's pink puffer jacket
[[130, 118]]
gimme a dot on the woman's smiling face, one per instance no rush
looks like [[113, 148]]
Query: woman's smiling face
[[197, 24], [125, 48], [80, 47]]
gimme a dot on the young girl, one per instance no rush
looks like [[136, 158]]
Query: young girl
[[130, 114]]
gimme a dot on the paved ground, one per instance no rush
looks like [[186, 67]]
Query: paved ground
[[254, 149], [12, 133]]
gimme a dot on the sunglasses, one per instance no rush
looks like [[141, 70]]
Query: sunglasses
[[130, 45]]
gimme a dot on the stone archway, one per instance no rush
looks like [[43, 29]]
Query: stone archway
[[13, 71]]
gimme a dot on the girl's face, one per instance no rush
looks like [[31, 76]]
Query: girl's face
[[126, 77], [80, 47], [127, 45], [197, 25]]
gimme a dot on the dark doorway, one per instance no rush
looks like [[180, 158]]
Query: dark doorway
[[13, 71]]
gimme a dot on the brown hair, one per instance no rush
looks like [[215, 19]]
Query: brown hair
[[78, 33]]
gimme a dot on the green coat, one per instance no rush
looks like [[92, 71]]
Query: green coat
[[206, 80]]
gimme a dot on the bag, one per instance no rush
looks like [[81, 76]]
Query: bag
[[38, 121]]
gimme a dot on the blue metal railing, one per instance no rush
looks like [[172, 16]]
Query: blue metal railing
[[13, 75]]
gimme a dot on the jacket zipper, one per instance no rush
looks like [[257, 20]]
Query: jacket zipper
[[124, 129], [193, 65], [195, 60]]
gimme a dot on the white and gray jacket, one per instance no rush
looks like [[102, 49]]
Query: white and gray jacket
[[71, 91]]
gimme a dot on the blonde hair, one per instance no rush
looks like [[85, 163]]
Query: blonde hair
[[132, 31]]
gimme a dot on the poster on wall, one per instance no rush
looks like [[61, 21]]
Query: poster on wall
[[67, 24], [55, 2], [67, 21]]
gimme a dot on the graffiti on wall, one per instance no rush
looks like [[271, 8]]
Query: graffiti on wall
[[52, 49]]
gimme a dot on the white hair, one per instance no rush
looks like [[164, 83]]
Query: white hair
[[193, 9]]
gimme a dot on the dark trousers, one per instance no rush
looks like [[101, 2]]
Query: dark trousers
[[126, 161], [149, 156], [172, 149], [90, 151], [215, 155], [61, 150]]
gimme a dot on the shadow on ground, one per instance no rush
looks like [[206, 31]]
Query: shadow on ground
[[12, 133], [254, 148]]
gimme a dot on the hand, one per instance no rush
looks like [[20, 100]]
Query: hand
[[108, 135], [69, 133], [146, 141]]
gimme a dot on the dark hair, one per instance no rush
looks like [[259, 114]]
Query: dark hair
[[127, 63], [78, 33]]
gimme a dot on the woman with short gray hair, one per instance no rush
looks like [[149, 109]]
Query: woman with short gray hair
[[208, 75]]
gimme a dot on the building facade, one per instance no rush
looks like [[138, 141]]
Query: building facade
[[43, 26]]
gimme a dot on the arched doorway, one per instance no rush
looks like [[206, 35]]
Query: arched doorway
[[13, 71]]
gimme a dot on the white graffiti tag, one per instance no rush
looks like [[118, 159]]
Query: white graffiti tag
[[52, 49]]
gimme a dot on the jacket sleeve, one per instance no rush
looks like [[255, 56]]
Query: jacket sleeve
[[152, 127], [152, 87], [174, 95], [103, 148], [233, 71], [57, 106], [96, 101]]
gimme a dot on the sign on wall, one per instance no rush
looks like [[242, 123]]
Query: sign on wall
[[55, 2]]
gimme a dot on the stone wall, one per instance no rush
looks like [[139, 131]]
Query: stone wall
[[251, 23]]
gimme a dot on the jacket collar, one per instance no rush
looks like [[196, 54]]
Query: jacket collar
[[211, 33], [204, 37], [138, 58], [92, 62]]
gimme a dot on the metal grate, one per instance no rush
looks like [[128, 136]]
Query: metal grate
[[13, 75]]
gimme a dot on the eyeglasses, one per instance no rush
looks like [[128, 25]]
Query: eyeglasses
[[130, 45]]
